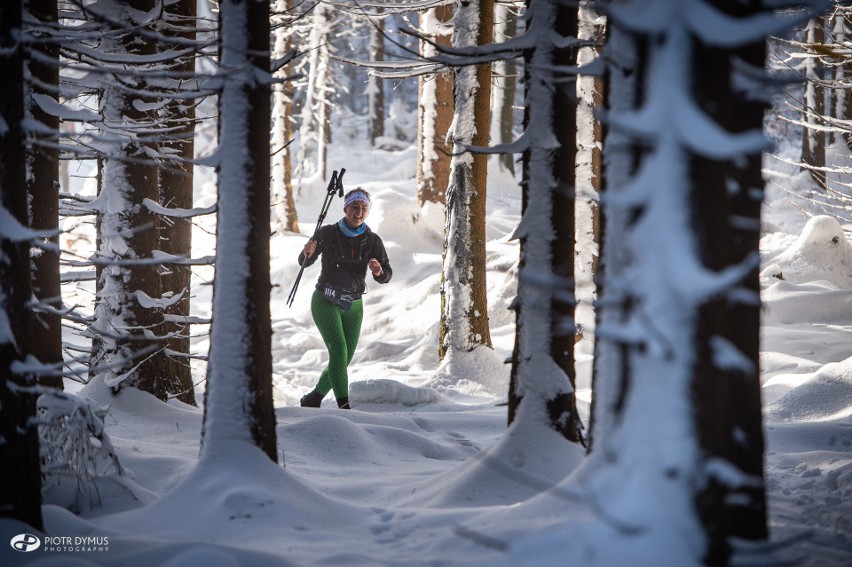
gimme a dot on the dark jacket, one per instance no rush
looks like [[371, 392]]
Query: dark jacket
[[345, 259]]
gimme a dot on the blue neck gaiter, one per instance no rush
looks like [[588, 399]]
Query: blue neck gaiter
[[350, 232]]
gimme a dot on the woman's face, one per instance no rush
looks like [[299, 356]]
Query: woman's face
[[355, 213]]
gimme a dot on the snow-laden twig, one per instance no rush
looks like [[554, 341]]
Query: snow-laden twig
[[176, 212], [74, 445]]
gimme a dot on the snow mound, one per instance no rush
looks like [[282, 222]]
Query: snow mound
[[812, 302], [826, 396], [404, 225], [238, 486], [821, 253], [203, 555], [101, 494], [302, 342], [479, 372], [530, 458], [383, 391]]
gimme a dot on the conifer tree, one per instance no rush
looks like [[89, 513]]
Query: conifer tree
[[543, 360], [464, 303], [679, 313], [43, 188], [127, 314], [435, 112], [20, 474], [238, 402], [176, 192]]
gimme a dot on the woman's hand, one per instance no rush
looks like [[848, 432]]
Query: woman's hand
[[309, 249], [375, 267]]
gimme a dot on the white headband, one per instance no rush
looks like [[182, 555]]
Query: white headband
[[356, 196]]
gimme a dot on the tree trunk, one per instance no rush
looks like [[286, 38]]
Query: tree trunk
[[464, 303], [20, 474], [175, 187], [238, 402], [679, 324], [282, 130], [563, 407], [435, 109], [543, 361], [325, 128], [813, 139], [375, 85], [124, 353], [621, 158], [43, 191], [314, 131], [505, 81], [589, 175], [727, 395], [842, 98]]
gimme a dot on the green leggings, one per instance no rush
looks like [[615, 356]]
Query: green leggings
[[340, 330]]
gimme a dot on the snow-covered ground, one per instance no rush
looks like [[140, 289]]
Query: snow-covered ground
[[420, 472]]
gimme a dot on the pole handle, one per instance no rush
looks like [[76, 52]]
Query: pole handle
[[340, 182]]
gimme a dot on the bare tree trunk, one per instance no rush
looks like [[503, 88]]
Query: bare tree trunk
[[325, 131], [435, 110], [841, 96], [589, 176], [505, 86], [563, 407], [175, 186], [314, 132], [238, 402], [43, 191], [813, 138], [20, 474], [282, 129], [464, 303], [375, 85]]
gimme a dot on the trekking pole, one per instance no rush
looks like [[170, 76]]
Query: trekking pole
[[335, 185]]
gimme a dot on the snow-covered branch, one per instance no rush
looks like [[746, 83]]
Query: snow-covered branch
[[176, 212]]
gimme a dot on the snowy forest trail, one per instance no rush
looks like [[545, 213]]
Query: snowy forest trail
[[390, 484], [396, 483]]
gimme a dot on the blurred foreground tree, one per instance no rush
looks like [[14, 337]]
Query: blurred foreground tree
[[43, 184], [679, 313], [20, 474]]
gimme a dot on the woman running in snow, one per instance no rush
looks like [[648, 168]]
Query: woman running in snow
[[348, 248]]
